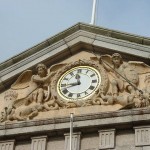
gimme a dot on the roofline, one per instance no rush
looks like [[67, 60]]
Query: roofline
[[79, 26]]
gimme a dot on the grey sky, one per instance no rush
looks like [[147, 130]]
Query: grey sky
[[25, 23]]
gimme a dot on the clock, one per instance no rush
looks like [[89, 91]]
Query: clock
[[78, 83]]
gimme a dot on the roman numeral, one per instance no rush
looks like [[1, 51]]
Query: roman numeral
[[70, 95], [65, 91], [65, 78], [78, 95], [71, 73], [87, 71], [85, 93], [92, 75], [94, 81], [63, 85], [91, 87], [79, 71]]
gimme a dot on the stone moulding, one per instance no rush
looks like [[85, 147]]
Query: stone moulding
[[129, 117], [78, 27]]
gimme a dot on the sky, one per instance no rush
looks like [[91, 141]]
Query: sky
[[25, 23]]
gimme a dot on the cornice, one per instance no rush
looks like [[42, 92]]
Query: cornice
[[79, 26], [119, 119], [67, 47]]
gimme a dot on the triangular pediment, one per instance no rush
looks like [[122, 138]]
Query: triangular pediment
[[73, 40], [78, 46]]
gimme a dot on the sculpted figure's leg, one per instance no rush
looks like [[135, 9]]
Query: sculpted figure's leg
[[12, 114], [18, 117], [9, 110], [33, 114], [46, 106], [40, 95], [55, 107], [114, 88], [3, 116], [131, 89], [34, 96]]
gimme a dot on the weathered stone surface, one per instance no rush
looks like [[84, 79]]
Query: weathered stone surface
[[124, 138], [90, 141], [56, 143], [127, 148], [90, 149], [23, 145], [146, 148]]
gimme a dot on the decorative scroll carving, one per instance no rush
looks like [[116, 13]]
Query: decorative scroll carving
[[123, 83]]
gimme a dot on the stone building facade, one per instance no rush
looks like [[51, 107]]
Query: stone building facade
[[102, 76]]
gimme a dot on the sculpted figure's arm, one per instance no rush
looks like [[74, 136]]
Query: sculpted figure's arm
[[104, 65], [39, 79]]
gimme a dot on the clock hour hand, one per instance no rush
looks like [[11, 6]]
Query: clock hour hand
[[71, 84], [77, 76]]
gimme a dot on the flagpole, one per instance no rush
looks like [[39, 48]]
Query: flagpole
[[93, 12], [71, 129]]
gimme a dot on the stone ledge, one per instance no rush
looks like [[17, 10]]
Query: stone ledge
[[130, 117]]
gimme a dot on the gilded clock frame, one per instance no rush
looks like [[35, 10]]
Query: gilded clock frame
[[70, 99]]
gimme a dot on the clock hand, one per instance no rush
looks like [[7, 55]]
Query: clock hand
[[78, 79], [77, 76], [71, 84]]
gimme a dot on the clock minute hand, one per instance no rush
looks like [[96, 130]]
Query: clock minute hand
[[78, 79]]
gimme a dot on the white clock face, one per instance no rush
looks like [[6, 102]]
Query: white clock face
[[78, 83]]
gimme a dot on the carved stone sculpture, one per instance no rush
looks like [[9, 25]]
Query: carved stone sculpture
[[28, 111], [124, 77], [10, 97], [37, 84], [28, 94], [109, 81]]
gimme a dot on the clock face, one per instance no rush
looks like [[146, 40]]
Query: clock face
[[78, 83]]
